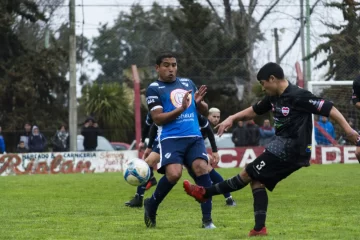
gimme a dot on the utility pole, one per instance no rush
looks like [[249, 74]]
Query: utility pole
[[277, 58], [308, 50], [302, 37], [72, 88]]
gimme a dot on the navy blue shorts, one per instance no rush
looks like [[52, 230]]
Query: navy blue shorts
[[182, 151], [155, 147]]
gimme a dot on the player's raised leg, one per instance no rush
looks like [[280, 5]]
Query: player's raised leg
[[217, 178]]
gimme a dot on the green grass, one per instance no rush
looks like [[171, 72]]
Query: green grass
[[319, 202]]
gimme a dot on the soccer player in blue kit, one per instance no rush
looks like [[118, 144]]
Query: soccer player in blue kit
[[173, 103], [152, 157]]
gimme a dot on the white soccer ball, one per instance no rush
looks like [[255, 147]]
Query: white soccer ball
[[136, 172]]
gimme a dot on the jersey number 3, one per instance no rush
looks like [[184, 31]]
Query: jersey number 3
[[260, 166]]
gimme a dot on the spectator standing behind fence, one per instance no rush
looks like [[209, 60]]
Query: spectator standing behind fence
[[267, 132], [2, 142], [328, 127], [37, 141], [90, 131], [21, 148], [61, 140], [343, 139], [252, 133], [24, 136], [239, 135]]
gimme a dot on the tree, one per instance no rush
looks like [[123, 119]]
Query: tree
[[29, 73], [135, 38], [111, 105], [342, 47]]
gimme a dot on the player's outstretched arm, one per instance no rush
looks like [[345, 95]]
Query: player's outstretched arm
[[245, 114], [351, 134]]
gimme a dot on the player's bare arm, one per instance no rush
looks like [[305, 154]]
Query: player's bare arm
[[245, 114], [160, 118], [351, 134]]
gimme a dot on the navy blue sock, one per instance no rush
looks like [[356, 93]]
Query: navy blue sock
[[151, 172], [204, 180], [162, 189], [217, 178], [141, 190]]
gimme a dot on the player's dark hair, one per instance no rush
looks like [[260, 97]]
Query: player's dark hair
[[270, 69], [163, 55]]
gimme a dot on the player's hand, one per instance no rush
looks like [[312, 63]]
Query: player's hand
[[224, 126], [200, 93], [141, 145], [186, 100], [87, 124], [353, 136], [216, 159], [146, 153]]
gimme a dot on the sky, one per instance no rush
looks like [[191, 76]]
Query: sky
[[284, 17]]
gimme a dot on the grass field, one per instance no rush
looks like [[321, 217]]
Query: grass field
[[319, 202]]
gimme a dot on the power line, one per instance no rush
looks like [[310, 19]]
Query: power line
[[170, 5]]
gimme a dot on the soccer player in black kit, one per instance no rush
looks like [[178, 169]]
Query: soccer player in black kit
[[288, 152]]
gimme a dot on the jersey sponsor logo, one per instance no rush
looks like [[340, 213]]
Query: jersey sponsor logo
[[317, 103], [176, 97], [285, 111], [151, 99]]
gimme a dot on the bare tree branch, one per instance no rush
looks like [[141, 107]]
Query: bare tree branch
[[252, 7], [241, 6], [218, 19], [297, 35], [228, 17], [267, 12]]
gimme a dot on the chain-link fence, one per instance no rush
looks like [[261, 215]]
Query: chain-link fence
[[221, 44]]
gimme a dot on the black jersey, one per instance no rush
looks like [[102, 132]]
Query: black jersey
[[293, 122]]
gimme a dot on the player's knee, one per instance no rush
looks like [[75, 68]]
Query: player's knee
[[245, 176], [173, 176], [256, 184], [200, 167]]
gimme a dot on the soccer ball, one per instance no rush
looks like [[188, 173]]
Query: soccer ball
[[136, 172]]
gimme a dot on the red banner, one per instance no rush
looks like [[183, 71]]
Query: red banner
[[238, 157]]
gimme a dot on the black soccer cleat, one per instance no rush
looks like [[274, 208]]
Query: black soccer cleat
[[149, 215], [230, 202], [135, 202]]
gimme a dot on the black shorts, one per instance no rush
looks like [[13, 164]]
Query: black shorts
[[270, 169]]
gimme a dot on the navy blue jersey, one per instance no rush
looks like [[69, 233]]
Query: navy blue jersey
[[149, 121], [169, 96]]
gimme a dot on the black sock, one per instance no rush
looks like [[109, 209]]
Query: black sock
[[260, 207], [229, 185]]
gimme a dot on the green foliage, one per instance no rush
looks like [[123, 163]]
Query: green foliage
[[343, 47], [30, 83], [135, 38], [111, 106]]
